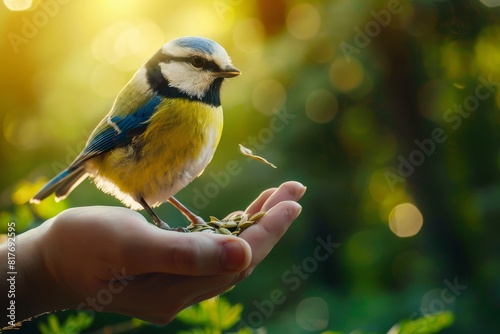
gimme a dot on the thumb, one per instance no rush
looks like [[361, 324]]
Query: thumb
[[192, 254]]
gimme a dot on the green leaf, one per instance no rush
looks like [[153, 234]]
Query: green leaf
[[75, 323], [54, 323], [194, 315], [196, 331], [222, 314], [245, 330], [216, 314], [231, 316], [44, 329], [215, 308], [428, 324], [136, 323]]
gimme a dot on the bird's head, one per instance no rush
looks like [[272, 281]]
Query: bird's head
[[192, 66]]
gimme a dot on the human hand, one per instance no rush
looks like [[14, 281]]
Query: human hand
[[110, 259]]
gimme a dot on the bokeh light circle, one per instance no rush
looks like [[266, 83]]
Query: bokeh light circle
[[312, 314], [322, 106], [303, 21], [405, 220], [487, 51], [490, 3], [269, 96], [346, 75]]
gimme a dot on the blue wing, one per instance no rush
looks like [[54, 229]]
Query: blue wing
[[119, 131]]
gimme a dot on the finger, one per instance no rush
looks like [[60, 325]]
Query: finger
[[193, 254], [290, 190], [265, 234], [256, 205], [261, 238], [259, 201]]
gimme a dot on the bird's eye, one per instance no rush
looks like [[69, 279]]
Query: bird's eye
[[197, 62]]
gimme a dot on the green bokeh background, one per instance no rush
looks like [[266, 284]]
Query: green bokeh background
[[337, 94]]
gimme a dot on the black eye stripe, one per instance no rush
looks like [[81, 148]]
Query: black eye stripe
[[208, 65], [211, 66]]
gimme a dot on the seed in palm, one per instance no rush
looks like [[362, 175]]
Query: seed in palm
[[231, 225]]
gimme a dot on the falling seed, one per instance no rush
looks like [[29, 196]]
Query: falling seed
[[248, 153]]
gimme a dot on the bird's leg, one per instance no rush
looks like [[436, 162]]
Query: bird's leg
[[194, 219], [158, 222]]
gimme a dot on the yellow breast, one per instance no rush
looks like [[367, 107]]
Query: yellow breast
[[175, 148]]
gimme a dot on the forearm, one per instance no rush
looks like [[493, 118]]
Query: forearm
[[26, 287]]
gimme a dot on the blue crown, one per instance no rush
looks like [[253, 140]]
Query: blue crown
[[198, 43]]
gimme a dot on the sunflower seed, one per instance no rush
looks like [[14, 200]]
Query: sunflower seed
[[257, 216], [243, 226], [215, 224], [230, 224], [225, 231]]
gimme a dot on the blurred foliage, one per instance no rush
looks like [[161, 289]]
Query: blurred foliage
[[429, 324], [217, 315], [388, 110], [213, 316], [73, 324]]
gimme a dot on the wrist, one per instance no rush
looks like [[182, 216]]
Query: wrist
[[30, 290]]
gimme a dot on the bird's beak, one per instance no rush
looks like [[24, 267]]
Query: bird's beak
[[229, 72]]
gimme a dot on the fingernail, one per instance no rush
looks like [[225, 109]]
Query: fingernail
[[297, 212], [233, 255], [303, 190]]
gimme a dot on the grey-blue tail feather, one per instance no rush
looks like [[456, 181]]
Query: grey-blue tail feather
[[62, 184]]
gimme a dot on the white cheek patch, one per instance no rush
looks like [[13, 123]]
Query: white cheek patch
[[187, 79]]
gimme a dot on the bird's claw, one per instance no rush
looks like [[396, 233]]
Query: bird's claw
[[166, 227], [197, 220]]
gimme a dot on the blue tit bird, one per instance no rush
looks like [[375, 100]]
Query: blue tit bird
[[161, 132]]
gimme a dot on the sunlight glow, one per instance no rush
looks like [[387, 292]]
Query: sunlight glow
[[107, 81], [127, 44], [20, 5]]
